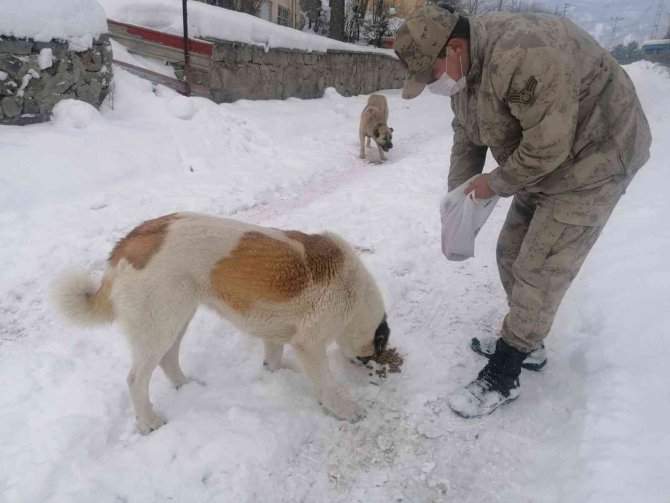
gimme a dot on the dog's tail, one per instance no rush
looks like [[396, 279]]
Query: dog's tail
[[81, 301]]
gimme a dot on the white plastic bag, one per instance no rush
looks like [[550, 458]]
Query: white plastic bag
[[462, 217]]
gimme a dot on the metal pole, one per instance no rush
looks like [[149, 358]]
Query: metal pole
[[616, 21], [654, 30], [565, 8], [187, 62]]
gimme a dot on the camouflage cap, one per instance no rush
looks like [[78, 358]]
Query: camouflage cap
[[418, 42]]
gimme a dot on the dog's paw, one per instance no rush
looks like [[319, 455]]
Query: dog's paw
[[272, 365], [148, 424], [342, 406], [189, 380], [182, 382]]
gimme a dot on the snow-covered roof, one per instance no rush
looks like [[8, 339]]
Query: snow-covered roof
[[210, 21], [76, 21], [662, 41]]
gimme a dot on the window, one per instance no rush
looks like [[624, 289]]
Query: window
[[283, 16], [226, 4], [265, 12]]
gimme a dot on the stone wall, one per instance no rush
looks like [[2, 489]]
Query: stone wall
[[241, 71], [34, 76]]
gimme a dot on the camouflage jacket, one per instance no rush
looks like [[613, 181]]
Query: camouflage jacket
[[557, 111]]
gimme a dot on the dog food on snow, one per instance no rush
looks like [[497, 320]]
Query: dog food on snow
[[389, 361]]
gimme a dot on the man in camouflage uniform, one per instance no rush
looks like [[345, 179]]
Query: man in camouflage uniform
[[565, 126]]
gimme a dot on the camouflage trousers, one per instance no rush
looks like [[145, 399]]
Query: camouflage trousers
[[541, 248]]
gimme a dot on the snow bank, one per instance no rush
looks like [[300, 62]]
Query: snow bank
[[209, 21], [75, 21], [74, 114], [619, 326]]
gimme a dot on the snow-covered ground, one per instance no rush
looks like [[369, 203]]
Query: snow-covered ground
[[592, 427]]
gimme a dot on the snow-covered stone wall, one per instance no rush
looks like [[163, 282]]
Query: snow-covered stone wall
[[34, 76], [244, 71]]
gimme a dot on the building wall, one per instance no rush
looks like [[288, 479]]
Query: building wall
[[293, 7]]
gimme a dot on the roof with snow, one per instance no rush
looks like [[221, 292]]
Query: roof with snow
[[648, 44], [209, 21]]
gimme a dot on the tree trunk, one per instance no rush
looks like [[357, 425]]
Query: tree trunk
[[363, 8], [336, 29]]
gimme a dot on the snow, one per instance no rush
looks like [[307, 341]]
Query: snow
[[122, 54], [45, 58], [209, 21], [74, 114], [625, 437], [31, 74], [592, 427], [75, 21]]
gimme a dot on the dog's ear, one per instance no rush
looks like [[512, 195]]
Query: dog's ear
[[391, 129], [376, 133]]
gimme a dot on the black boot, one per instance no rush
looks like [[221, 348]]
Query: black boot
[[496, 384], [486, 346]]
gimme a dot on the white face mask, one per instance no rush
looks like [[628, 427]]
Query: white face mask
[[446, 86]]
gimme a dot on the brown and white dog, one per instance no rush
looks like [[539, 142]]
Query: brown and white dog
[[285, 287], [374, 126]]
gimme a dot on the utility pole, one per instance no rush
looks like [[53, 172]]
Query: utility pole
[[616, 21], [187, 62], [654, 30], [565, 8]]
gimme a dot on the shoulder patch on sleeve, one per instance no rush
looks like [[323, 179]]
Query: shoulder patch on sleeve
[[526, 96]]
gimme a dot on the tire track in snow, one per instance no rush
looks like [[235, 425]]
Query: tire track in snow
[[316, 188]]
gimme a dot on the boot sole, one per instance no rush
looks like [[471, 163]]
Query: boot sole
[[535, 367], [487, 413]]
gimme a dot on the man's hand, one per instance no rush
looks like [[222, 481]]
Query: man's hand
[[481, 187]]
